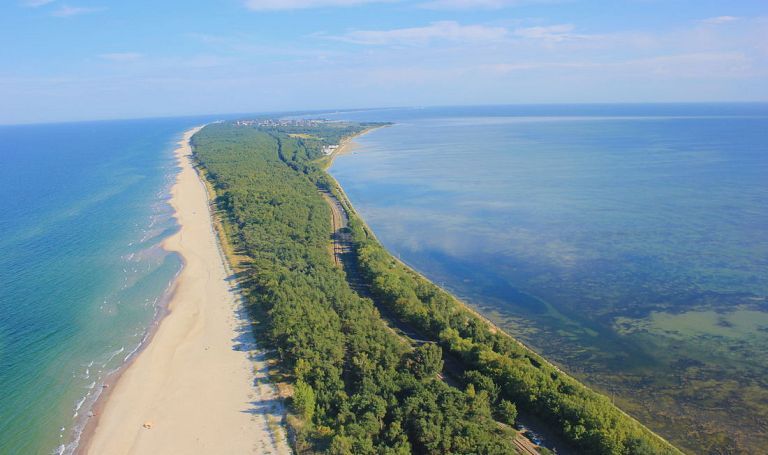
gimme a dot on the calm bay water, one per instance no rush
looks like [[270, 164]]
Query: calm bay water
[[626, 243], [83, 209]]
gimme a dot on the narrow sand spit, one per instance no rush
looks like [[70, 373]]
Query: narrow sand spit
[[198, 387]]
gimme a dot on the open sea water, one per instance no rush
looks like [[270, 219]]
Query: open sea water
[[83, 211], [628, 243]]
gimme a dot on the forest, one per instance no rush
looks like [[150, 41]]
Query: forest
[[359, 388]]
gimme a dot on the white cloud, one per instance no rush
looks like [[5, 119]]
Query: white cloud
[[719, 20], [36, 3], [507, 68], [273, 5], [710, 65], [560, 32], [121, 56], [694, 65], [69, 11], [477, 4], [204, 61], [445, 31]]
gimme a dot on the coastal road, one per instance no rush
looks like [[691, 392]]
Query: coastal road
[[344, 257], [342, 241]]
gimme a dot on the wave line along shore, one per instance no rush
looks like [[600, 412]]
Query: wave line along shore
[[191, 390]]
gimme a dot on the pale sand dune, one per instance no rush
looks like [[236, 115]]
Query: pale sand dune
[[192, 384]]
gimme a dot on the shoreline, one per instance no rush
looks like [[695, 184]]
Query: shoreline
[[347, 145], [193, 385], [80, 443]]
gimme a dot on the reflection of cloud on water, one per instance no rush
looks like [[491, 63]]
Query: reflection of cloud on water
[[460, 234], [415, 229]]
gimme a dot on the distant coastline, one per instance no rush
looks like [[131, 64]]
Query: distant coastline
[[347, 145]]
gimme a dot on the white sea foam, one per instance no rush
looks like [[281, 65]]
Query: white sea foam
[[112, 355], [130, 354]]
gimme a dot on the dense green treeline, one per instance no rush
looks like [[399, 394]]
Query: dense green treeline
[[358, 388]]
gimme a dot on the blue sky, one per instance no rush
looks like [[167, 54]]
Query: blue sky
[[98, 59]]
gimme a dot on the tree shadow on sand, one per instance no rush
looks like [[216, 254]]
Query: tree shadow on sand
[[271, 406]]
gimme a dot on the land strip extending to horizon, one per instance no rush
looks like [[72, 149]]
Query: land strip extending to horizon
[[198, 385], [357, 386]]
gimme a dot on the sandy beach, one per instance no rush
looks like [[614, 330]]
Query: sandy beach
[[199, 386]]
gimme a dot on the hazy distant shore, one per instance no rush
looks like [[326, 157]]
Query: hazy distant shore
[[191, 389], [348, 145]]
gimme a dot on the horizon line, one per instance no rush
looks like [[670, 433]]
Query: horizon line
[[274, 113]]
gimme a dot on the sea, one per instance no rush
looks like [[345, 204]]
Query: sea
[[83, 211], [626, 243]]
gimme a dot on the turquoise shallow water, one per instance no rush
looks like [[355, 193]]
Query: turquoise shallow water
[[610, 238], [83, 209]]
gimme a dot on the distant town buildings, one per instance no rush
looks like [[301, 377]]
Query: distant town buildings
[[328, 149], [275, 123], [286, 123]]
